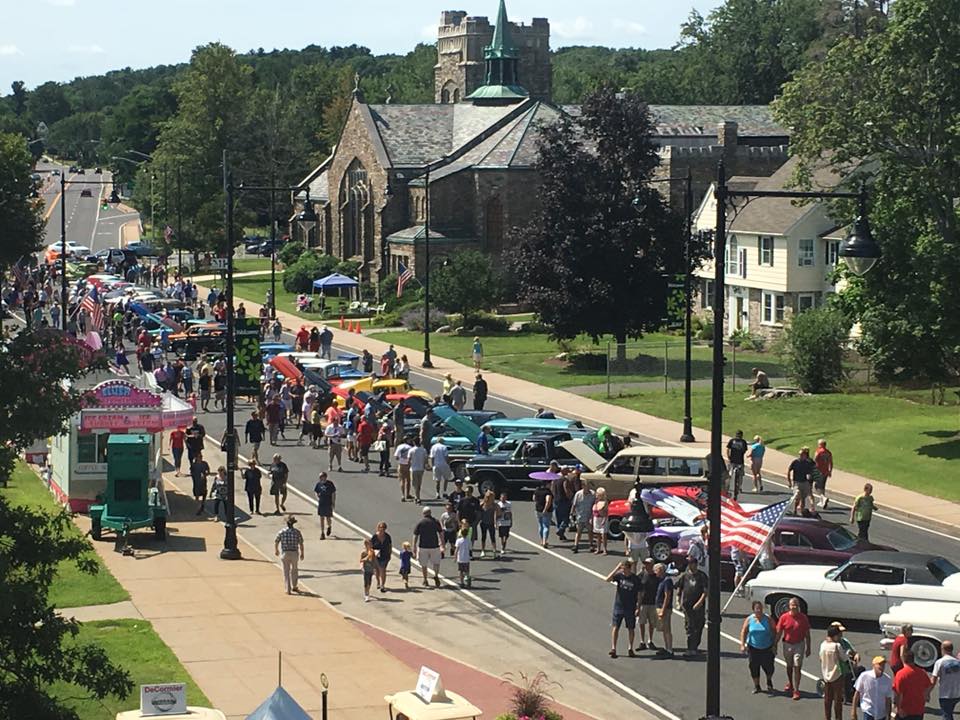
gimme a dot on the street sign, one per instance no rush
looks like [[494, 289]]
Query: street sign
[[218, 263]]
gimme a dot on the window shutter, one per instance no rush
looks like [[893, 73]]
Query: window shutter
[[772, 244], [759, 250]]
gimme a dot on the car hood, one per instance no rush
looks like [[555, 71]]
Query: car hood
[[493, 458], [587, 456]]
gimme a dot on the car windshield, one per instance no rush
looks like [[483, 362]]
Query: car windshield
[[834, 573], [841, 539], [941, 568]]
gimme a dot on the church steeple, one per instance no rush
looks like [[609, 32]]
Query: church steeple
[[501, 58]]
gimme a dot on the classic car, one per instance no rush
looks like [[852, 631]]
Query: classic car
[[933, 623], [198, 339], [506, 471], [863, 588], [796, 541]]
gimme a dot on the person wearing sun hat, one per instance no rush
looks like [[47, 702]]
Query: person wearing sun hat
[[849, 661]]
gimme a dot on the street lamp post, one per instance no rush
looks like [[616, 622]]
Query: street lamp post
[[231, 550], [861, 253], [273, 250], [179, 226], [427, 361], [687, 180]]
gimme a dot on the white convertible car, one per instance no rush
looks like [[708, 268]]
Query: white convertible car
[[933, 623], [863, 588]]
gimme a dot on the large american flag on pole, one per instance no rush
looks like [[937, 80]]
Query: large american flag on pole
[[406, 274], [91, 304], [749, 531]]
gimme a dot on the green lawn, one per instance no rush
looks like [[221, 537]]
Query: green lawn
[[72, 588], [530, 356], [252, 263], [255, 289], [895, 440], [135, 646]]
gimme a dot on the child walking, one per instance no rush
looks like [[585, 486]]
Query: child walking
[[406, 555], [368, 563], [463, 557]]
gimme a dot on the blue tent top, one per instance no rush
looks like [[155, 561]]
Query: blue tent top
[[335, 280], [279, 706]]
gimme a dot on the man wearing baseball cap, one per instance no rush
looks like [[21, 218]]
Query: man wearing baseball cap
[[873, 692], [428, 545]]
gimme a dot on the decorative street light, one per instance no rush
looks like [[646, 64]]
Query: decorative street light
[[861, 253], [307, 218]]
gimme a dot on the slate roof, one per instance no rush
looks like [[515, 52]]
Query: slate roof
[[777, 215], [415, 234], [702, 120]]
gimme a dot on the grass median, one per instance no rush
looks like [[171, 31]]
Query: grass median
[[135, 646], [897, 440], [71, 588]]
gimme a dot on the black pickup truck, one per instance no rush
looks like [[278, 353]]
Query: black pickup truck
[[510, 471]]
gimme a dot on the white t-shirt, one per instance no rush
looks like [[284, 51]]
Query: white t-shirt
[[333, 433], [830, 660], [439, 455], [874, 692], [506, 513], [463, 550], [418, 458], [402, 453], [947, 672]]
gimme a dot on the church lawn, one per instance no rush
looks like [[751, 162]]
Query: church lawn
[[71, 588], [135, 646], [894, 440], [255, 289], [530, 356]]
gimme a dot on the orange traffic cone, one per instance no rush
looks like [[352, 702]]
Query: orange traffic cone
[[357, 330], [350, 326], [341, 322]]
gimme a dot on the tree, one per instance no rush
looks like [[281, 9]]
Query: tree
[[19, 95], [48, 103], [589, 262], [465, 284], [37, 648], [311, 266], [815, 342], [21, 217], [893, 97]]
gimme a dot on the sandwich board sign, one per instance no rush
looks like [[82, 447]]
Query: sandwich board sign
[[165, 699], [429, 688]]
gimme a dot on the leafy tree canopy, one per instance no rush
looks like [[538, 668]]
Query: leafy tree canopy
[[466, 283], [886, 106], [21, 218]]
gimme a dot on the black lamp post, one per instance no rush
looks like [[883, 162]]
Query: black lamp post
[[307, 218], [687, 180], [427, 361], [861, 253]]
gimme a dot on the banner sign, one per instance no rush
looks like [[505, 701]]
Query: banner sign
[[248, 364], [166, 699]]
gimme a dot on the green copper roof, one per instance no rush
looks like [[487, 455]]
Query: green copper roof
[[498, 92], [502, 44]]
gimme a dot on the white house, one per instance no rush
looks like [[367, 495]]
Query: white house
[[779, 257]]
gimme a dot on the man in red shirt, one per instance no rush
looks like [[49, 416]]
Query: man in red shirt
[[823, 459], [364, 441], [900, 645], [274, 415], [177, 438], [303, 338], [793, 628], [911, 686]]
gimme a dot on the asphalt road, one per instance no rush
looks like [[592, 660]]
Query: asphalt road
[[560, 598]]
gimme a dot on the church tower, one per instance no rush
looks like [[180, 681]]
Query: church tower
[[468, 48]]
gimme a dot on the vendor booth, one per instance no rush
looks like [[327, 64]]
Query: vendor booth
[[78, 458]]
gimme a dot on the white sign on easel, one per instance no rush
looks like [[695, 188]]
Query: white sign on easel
[[165, 699], [429, 687]]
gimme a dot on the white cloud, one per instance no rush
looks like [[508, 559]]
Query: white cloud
[[10, 50], [62, 3], [86, 49], [630, 26], [579, 28]]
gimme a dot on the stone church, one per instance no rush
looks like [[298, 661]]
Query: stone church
[[461, 171]]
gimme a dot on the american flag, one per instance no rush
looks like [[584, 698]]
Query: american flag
[[20, 272], [748, 531], [91, 303], [406, 274]]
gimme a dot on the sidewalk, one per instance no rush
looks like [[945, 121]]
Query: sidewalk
[[844, 486], [228, 622]]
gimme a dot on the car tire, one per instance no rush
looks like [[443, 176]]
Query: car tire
[[925, 651], [660, 550], [96, 529], [487, 482], [779, 605], [614, 531]]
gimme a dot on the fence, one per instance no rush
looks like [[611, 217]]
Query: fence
[[652, 365]]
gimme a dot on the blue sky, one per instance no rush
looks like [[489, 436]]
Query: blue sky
[[44, 40]]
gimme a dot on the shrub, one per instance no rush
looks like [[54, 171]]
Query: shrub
[[487, 321], [412, 319], [531, 697], [743, 339], [290, 253], [466, 283], [299, 276], [815, 341], [350, 268]]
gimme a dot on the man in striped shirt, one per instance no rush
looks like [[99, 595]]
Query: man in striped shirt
[[290, 541]]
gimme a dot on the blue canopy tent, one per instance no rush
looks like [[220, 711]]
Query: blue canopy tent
[[334, 281], [279, 706]]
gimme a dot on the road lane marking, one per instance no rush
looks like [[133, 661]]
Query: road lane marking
[[523, 627]]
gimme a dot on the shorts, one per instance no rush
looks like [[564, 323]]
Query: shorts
[[821, 483], [463, 567], [629, 619], [256, 447], [449, 537], [429, 557], [756, 465], [804, 489], [503, 531], [584, 526], [663, 623], [648, 614], [793, 654], [442, 472]]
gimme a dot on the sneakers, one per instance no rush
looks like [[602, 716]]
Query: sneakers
[[483, 554], [631, 653], [642, 646], [612, 653], [366, 598], [796, 694], [436, 581]]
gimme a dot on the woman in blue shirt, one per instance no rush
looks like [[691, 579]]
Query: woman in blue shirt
[[757, 449], [758, 641]]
